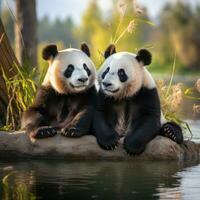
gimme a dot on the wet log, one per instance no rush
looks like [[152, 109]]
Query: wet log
[[19, 145]]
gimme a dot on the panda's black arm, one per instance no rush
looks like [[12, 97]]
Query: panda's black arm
[[85, 122], [34, 120], [106, 136], [81, 124], [144, 130], [34, 116], [146, 125]]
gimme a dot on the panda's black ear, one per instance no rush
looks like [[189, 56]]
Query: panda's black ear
[[109, 51], [50, 51], [85, 48], [144, 56]]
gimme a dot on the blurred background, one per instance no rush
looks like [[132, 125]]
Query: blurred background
[[168, 28], [176, 25]]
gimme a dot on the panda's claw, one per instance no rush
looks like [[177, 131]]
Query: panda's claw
[[108, 143], [131, 154], [43, 132], [71, 132], [109, 147], [172, 131]]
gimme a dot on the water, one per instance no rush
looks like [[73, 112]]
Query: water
[[101, 180]]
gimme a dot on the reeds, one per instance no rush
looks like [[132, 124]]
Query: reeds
[[21, 89]]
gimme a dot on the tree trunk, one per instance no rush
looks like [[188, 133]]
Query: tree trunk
[[26, 32], [7, 64]]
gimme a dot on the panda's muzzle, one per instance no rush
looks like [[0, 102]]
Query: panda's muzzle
[[82, 80], [107, 87], [105, 84]]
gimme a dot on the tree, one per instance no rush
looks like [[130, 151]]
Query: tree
[[7, 65], [180, 24], [58, 30], [8, 24], [26, 32], [90, 21]]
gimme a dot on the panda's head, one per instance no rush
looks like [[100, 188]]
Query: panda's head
[[70, 70], [123, 74]]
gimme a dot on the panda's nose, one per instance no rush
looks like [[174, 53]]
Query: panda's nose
[[82, 80], [106, 84]]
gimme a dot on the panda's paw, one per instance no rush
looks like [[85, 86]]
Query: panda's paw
[[108, 143], [71, 132], [133, 148], [172, 131], [43, 132]]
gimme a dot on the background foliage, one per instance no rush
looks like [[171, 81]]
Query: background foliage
[[177, 28]]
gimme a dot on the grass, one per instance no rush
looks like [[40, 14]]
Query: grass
[[21, 89]]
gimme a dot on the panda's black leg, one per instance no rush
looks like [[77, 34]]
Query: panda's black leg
[[44, 132], [71, 132], [172, 131], [133, 146], [142, 132], [79, 127]]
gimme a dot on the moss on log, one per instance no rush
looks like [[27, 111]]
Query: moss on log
[[18, 145]]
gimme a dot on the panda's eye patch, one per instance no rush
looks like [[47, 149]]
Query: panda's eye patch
[[86, 69], [122, 75], [105, 72], [69, 70]]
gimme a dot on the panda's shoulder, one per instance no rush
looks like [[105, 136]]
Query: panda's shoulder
[[148, 81], [45, 92]]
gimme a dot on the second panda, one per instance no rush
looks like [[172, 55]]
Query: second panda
[[65, 101], [128, 103]]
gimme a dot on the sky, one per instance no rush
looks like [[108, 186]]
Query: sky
[[75, 8]]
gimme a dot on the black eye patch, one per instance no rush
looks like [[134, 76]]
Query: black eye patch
[[105, 72], [69, 70], [87, 69], [122, 75]]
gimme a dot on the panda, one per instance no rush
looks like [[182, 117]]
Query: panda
[[64, 102], [128, 104]]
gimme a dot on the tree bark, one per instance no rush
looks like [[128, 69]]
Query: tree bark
[[26, 32], [7, 64]]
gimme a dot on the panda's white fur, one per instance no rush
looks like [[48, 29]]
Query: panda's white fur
[[138, 75], [55, 74]]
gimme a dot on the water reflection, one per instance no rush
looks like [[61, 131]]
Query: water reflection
[[92, 180]]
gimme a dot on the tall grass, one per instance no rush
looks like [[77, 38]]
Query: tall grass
[[172, 97], [21, 89]]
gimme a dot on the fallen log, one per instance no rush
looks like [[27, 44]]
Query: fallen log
[[19, 145]]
